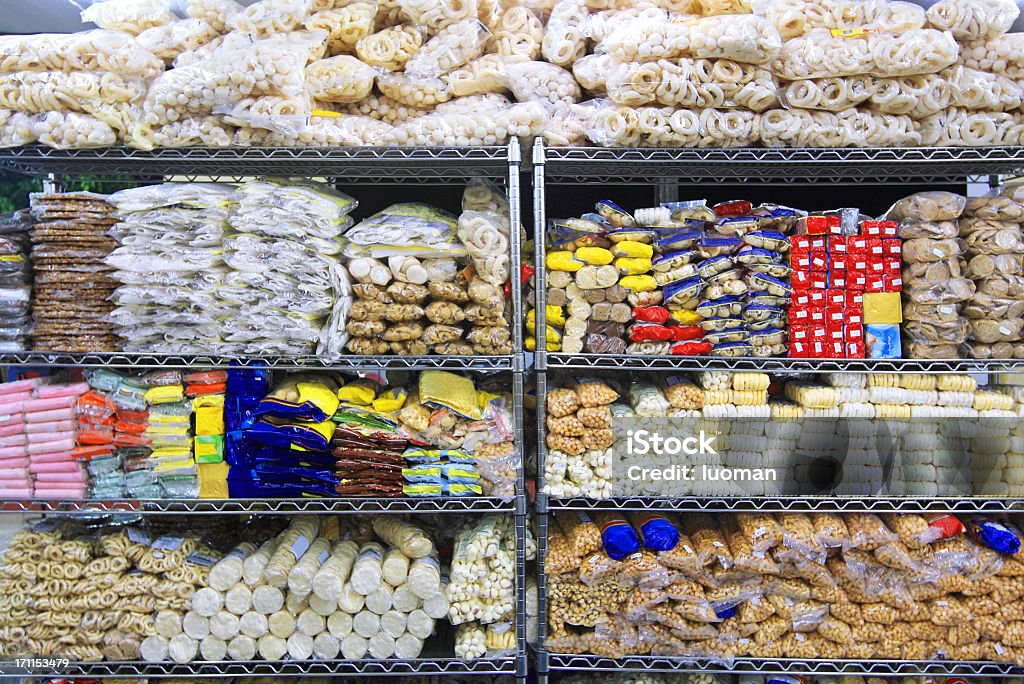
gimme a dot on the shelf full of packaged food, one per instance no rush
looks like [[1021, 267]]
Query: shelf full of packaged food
[[344, 363], [411, 164], [290, 668], [311, 506], [813, 166], [777, 364], [792, 504], [872, 668]]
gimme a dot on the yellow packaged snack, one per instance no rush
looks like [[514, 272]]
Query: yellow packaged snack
[[168, 394], [562, 261], [209, 412], [687, 317], [213, 480], [391, 400], [629, 248], [209, 448], [451, 391], [531, 345], [639, 283], [553, 315], [593, 256], [484, 398], [359, 392], [632, 265]]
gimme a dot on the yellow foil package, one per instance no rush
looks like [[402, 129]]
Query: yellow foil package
[[882, 307], [531, 344], [632, 265], [168, 394], [554, 315], [687, 317], [562, 261], [213, 480], [451, 391], [359, 392], [391, 400], [209, 412], [635, 250], [209, 448], [593, 256], [639, 283]]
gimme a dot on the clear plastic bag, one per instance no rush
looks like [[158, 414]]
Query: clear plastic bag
[[170, 40], [692, 82], [392, 47], [849, 128], [960, 127], [1003, 55], [828, 94], [346, 26], [796, 17], [87, 51], [973, 19], [565, 39], [267, 17], [70, 130], [129, 16], [542, 82], [915, 96], [928, 206], [973, 89], [744, 38], [819, 54], [216, 13], [47, 91], [452, 47], [340, 79]]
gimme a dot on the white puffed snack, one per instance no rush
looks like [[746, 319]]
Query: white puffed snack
[[419, 624], [268, 17], [325, 607], [366, 571], [395, 568], [404, 600], [973, 19], [238, 600], [382, 645], [224, 625], [351, 601], [207, 602], [195, 625], [242, 647], [272, 648], [407, 537], [109, 51], [253, 625], [793, 18], [300, 646], [366, 624], [168, 623], [340, 79], [479, 76], [182, 649], [214, 12], [227, 572], [153, 649], [300, 578], [543, 82], [292, 544], [330, 579], [353, 647], [346, 26], [340, 624], [253, 565], [212, 648], [424, 577], [390, 48], [407, 646], [437, 14], [267, 599], [326, 646], [379, 600], [414, 92], [961, 127], [565, 38], [393, 623], [452, 47], [295, 604], [1002, 55], [129, 16], [171, 40], [70, 130], [309, 622], [437, 605], [743, 38], [281, 624]]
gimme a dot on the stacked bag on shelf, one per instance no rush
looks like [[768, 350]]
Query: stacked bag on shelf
[[15, 281], [170, 266], [428, 282]]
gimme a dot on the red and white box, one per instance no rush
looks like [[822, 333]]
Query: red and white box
[[835, 349], [892, 283], [835, 314], [857, 245], [835, 297], [835, 332], [880, 229], [799, 315], [804, 280], [809, 298], [853, 333], [854, 313], [875, 283], [855, 350], [856, 280], [875, 265], [892, 248], [892, 266]]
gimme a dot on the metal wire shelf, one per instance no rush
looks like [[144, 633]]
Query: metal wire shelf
[[353, 363], [289, 668], [779, 365], [424, 164], [847, 504], [277, 506], [877, 668], [770, 165]]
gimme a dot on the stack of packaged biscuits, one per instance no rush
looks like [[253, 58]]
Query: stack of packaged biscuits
[[72, 284], [367, 462], [15, 281]]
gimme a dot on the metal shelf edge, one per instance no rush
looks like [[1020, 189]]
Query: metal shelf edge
[[781, 364], [794, 503], [276, 506]]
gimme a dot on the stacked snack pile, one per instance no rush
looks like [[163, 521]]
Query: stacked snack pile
[[789, 429], [319, 588], [169, 266], [680, 279], [70, 301], [324, 435], [15, 281], [799, 73], [793, 585], [847, 279], [422, 300]]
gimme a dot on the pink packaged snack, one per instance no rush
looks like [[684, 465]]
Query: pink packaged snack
[[10, 408], [49, 447], [10, 452], [20, 386], [59, 491], [59, 472], [17, 462], [19, 439], [15, 490], [54, 426], [49, 416], [50, 403], [17, 419], [9, 430], [74, 390], [12, 473], [37, 437], [54, 457]]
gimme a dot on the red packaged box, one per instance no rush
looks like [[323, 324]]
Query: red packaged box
[[892, 266], [892, 283], [808, 298], [837, 280], [856, 280], [817, 332], [855, 300], [816, 314], [835, 297], [837, 244], [835, 350], [799, 333], [835, 314], [819, 260], [800, 243], [813, 225], [881, 229], [817, 350], [855, 350], [875, 247], [892, 248], [858, 263], [800, 261], [804, 280], [854, 313], [875, 265], [853, 333], [798, 350], [834, 332], [857, 244], [799, 315], [875, 283]]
